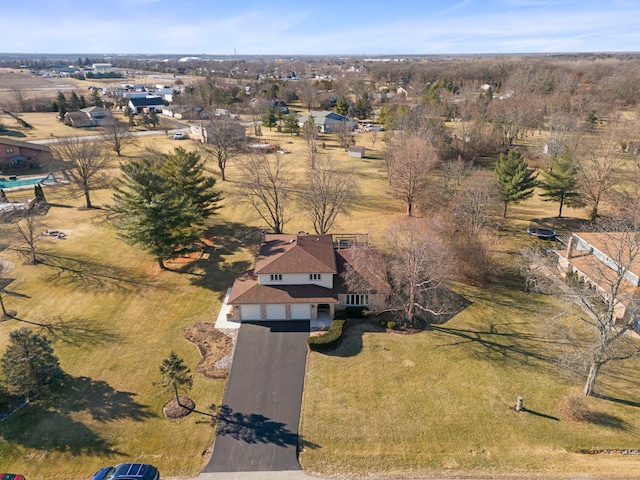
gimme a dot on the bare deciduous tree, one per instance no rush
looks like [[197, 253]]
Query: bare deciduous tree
[[597, 163], [117, 136], [416, 266], [82, 164], [3, 269], [308, 93], [265, 186], [410, 163], [224, 141], [20, 99], [454, 173], [474, 203], [326, 194], [344, 134], [310, 135], [29, 226]]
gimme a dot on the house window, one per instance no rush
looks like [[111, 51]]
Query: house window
[[314, 276], [276, 276], [357, 300], [9, 150]]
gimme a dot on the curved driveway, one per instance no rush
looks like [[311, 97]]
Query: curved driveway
[[258, 425]]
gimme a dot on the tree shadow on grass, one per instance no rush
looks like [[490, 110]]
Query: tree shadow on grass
[[213, 271], [92, 274], [508, 345], [621, 401], [77, 331], [48, 423], [47, 430], [354, 329], [97, 398]]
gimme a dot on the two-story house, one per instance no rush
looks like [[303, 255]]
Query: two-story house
[[297, 277]]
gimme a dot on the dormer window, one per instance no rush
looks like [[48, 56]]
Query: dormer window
[[276, 277], [314, 276]]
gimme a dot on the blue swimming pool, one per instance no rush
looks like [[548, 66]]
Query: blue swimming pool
[[23, 182]]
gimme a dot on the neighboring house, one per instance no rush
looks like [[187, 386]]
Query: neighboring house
[[146, 104], [326, 121], [201, 131], [89, 117], [298, 277], [262, 105], [102, 67], [594, 257], [15, 154], [279, 104], [184, 112], [356, 151]]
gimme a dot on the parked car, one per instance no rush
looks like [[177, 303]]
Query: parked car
[[179, 136], [11, 476], [128, 471]]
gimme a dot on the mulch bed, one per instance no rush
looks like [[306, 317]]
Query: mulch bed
[[172, 409], [212, 345]]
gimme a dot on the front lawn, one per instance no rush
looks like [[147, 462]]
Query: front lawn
[[442, 402], [115, 316]]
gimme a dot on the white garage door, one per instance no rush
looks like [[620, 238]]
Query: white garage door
[[300, 311], [250, 312], [276, 312]]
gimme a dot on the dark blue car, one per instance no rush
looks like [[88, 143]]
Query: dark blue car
[[128, 471]]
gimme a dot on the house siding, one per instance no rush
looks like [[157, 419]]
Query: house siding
[[326, 279]]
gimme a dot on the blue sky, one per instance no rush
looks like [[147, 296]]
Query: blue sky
[[194, 27]]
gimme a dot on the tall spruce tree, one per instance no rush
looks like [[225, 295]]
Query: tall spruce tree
[[161, 202], [269, 118], [560, 183], [515, 181], [29, 365]]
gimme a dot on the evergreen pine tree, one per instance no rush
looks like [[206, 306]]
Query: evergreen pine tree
[[29, 365], [175, 375], [162, 201], [269, 118], [515, 181], [560, 184]]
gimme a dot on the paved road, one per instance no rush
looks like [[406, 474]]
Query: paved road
[[258, 427]]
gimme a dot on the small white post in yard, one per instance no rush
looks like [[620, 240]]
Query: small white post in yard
[[520, 404]]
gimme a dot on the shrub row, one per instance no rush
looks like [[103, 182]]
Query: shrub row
[[329, 339], [355, 312]]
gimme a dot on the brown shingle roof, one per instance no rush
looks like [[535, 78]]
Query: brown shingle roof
[[246, 290], [298, 253], [372, 270], [20, 144]]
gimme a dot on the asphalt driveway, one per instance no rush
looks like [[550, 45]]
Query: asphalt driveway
[[258, 426]]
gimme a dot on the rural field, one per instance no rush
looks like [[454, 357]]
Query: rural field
[[432, 404]]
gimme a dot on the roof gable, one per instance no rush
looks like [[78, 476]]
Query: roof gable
[[299, 253], [17, 143]]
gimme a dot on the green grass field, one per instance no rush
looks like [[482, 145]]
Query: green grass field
[[434, 402]]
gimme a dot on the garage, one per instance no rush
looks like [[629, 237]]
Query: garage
[[276, 312], [300, 311], [250, 312]]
